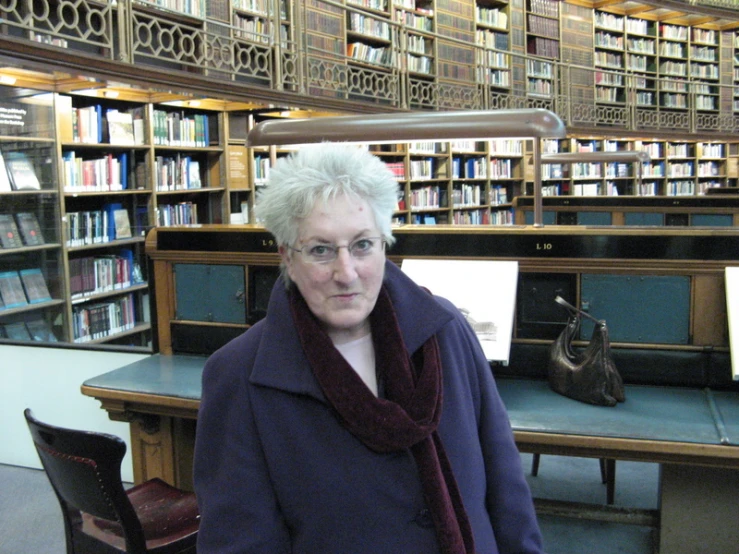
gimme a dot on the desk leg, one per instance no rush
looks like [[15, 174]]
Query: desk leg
[[152, 449], [699, 510], [162, 447]]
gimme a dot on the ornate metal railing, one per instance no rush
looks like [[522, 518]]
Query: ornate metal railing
[[86, 25], [140, 33]]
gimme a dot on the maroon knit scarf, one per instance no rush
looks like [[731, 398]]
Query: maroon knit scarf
[[408, 415]]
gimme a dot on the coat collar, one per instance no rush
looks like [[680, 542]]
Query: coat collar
[[280, 362]]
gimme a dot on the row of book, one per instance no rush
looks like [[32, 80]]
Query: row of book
[[98, 226], [431, 197], [469, 168], [262, 165], [23, 287], [414, 21], [100, 320], [495, 17], [370, 54], [94, 125], [106, 173], [543, 26], [17, 172], [32, 329], [177, 173], [467, 195], [100, 274], [182, 129], [550, 8], [369, 26], [471, 217], [491, 39], [21, 230], [182, 213], [545, 47]]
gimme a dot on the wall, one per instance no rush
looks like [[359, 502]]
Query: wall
[[48, 381]]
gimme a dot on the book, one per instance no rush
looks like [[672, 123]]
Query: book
[[35, 285], [137, 115], [11, 290], [40, 330], [5, 185], [17, 331], [141, 220], [30, 229], [21, 171], [122, 224], [10, 237], [120, 127], [109, 210], [193, 175]]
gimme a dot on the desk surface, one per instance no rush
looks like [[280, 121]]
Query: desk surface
[[649, 413], [653, 419]]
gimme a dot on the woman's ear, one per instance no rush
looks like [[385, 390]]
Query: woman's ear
[[284, 252]]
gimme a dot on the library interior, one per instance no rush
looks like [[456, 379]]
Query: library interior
[[594, 143]]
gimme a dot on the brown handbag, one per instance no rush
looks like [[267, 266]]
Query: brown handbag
[[587, 375]]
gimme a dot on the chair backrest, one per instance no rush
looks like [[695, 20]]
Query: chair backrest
[[84, 469]]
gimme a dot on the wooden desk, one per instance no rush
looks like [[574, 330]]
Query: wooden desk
[[693, 434]]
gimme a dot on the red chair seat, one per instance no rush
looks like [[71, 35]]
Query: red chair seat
[[167, 515]]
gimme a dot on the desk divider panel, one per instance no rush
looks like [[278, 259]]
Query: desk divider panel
[[660, 289], [646, 309]]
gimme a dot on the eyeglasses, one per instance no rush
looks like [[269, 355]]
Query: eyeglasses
[[322, 253]]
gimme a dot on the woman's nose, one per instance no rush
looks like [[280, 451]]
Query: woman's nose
[[344, 266]]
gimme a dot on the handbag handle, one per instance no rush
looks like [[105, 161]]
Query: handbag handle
[[562, 302]]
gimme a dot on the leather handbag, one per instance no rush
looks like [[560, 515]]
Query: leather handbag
[[588, 375]]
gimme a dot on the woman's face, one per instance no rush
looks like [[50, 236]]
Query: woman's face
[[340, 293]]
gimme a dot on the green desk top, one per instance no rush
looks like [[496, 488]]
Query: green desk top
[[175, 376], [650, 413]]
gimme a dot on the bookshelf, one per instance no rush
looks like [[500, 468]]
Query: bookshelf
[[32, 278], [262, 21], [106, 198], [673, 66], [418, 41], [542, 41], [88, 174], [493, 37], [676, 168], [188, 169], [456, 64], [641, 59], [705, 68], [542, 28], [460, 182], [369, 39], [194, 8], [609, 57]]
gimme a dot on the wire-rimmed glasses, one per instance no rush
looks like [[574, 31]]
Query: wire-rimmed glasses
[[323, 253]]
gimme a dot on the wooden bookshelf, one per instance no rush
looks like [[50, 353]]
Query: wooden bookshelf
[[492, 35]]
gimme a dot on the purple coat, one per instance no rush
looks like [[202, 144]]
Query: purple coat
[[275, 472]]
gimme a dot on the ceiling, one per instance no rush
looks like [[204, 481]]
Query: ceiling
[[673, 12]]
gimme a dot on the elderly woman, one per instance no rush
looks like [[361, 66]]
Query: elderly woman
[[360, 416]]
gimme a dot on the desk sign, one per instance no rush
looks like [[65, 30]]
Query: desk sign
[[732, 310], [484, 291]]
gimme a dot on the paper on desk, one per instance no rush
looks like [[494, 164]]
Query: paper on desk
[[483, 290], [732, 311]]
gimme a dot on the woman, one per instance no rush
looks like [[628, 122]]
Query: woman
[[360, 416]]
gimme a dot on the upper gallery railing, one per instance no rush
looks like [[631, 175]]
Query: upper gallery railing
[[273, 49]]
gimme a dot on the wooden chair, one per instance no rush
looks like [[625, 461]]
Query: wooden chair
[[607, 475], [100, 516]]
